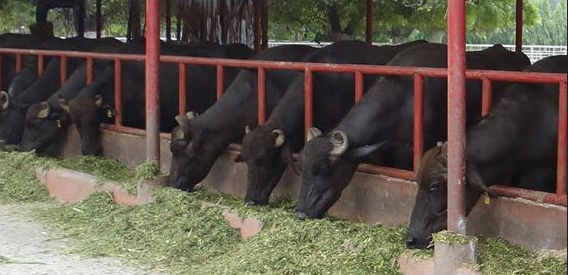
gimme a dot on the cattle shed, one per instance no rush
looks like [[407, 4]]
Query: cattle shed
[[380, 195]]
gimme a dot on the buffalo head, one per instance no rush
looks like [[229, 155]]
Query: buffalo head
[[327, 165], [430, 209], [43, 127], [263, 152], [194, 152], [87, 112]]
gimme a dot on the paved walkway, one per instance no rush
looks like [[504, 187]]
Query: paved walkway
[[26, 248]]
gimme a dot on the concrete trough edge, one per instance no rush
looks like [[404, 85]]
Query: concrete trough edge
[[71, 186]]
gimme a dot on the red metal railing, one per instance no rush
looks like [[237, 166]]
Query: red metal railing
[[418, 74]]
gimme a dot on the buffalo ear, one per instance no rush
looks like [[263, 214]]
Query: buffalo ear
[[364, 151], [64, 104], [240, 158], [182, 120]]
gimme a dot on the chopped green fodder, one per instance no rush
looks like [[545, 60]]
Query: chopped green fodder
[[499, 257], [177, 234], [17, 178], [449, 237]]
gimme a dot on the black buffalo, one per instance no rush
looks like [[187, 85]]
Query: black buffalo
[[18, 41], [381, 124], [94, 105], [197, 142], [515, 143], [13, 116], [267, 149]]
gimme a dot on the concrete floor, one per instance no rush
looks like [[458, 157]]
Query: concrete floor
[[27, 247]]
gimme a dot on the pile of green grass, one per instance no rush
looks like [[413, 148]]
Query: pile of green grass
[[176, 233]]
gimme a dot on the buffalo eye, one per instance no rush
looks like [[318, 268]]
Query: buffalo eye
[[435, 186]]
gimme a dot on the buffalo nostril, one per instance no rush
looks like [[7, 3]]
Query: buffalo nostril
[[301, 215], [411, 242]]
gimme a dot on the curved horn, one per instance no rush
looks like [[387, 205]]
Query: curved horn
[[313, 133], [247, 129], [44, 111], [340, 143], [191, 115], [279, 141], [99, 101], [64, 104], [4, 100]]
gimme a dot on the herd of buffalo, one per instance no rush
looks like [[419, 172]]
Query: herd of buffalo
[[515, 143]]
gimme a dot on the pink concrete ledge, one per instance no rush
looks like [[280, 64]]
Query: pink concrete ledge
[[71, 186]]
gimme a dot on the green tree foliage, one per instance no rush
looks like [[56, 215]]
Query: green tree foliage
[[394, 20], [16, 16]]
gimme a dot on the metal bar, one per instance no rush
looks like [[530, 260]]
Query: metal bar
[[261, 85], [257, 28], [486, 96], [220, 81], [18, 62], [456, 116], [524, 77], [561, 169], [40, 65], [182, 78], [519, 27], [359, 86], [537, 196], [152, 80], [63, 69], [369, 22], [118, 92], [308, 101], [168, 20], [387, 171], [418, 120], [98, 19], [90, 73]]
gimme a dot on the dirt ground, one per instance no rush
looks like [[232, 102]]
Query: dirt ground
[[28, 248]]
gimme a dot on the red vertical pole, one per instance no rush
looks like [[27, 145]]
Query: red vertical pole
[[40, 65], [418, 119], [118, 91], [369, 26], [89, 70], [261, 85], [456, 115], [308, 101], [257, 26], [168, 20], [152, 80], [18, 62], [63, 69], [359, 86], [486, 96], [519, 27], [220, 81], [562, 137], [182, 77], [98, 19]]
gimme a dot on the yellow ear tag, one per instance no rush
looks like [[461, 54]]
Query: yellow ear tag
[[58, 123], [109, 113], [486, 198]]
